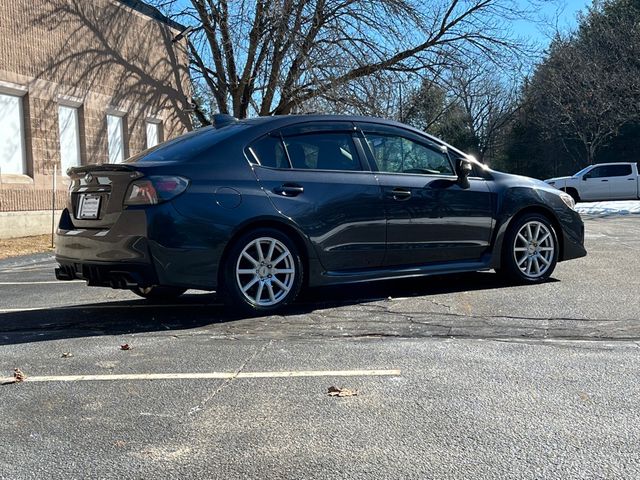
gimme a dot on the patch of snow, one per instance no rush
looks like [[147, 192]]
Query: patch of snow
[[609, 208]]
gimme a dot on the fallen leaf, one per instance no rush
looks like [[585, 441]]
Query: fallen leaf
[[66, 354], [18, 375], [341, 392], [125, 346]]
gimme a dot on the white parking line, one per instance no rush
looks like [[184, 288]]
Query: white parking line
[[14, 310], [107, 307], [43, 282], [214, 375], [27, 268]]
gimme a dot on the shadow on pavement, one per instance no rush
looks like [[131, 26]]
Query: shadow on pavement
[[195, 311]]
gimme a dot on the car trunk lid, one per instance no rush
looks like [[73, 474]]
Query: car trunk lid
[[97, 193]]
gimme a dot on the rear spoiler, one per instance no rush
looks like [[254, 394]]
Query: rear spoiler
[[100, 167]]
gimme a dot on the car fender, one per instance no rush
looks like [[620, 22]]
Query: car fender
[[516, 201], [275, 221]]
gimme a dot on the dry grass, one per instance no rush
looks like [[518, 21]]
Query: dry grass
[[14, 247]]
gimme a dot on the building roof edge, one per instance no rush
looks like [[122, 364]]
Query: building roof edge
[[152, 12]]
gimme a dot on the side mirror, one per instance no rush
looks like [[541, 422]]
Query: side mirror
[[464, 170], [585, 176]]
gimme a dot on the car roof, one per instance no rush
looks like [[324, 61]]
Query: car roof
[[279, 121], [303, 118], [614, 163], [194, 143]]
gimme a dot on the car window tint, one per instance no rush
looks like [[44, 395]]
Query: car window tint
[[397, 154], [269, 152], [597, 172], [619, 170], [323, 151], [191, 146], [581, 172]]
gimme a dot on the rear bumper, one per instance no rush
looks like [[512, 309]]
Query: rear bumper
[[126, 241], [114, 275], [118, 257], [142, 248]]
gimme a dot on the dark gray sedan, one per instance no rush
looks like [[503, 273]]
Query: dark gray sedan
[[256, 209]]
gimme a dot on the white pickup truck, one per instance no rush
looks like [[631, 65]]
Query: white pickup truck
[[603, 181]]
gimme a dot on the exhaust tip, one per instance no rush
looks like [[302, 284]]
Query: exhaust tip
[[122, 282]]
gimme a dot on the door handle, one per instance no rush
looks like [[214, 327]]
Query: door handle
[[605, 180], [400, 194], [289, 189]]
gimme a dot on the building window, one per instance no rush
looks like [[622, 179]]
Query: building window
[[69, 137], [115, 136], [153, 133], [12, 151]]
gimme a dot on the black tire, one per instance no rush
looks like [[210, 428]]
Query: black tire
[[267, 293], [520, 256], [574, 194], [158, 293]]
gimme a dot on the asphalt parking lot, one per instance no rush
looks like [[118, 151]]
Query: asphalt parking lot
[[457, 377]]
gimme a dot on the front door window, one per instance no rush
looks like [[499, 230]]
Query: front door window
[[396, 154]]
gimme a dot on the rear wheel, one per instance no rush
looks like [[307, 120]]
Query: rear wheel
[[263, 271], [158, 293], [530, 250]]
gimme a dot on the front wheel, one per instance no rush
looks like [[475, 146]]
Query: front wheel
[[530, 250], [263, 271], [574, 194]]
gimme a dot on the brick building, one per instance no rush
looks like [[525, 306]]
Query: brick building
[[81, 82]]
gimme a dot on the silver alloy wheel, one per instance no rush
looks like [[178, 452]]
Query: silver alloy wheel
[[534, 249], [265, 271]]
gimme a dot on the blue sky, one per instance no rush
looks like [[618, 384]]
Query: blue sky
[[562, 13]]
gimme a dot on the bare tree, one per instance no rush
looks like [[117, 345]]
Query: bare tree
[[378, 95], [468, 106], [274, 56], [489, 101]]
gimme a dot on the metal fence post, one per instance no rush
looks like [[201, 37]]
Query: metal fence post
[[53, 204]]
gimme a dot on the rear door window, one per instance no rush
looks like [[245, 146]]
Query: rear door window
[[618, 170], [323, 151], [268, 152], [609, 171]]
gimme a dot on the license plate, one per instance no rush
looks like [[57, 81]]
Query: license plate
[[89, 206]]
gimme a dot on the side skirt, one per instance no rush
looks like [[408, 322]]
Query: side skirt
[[319, 277]]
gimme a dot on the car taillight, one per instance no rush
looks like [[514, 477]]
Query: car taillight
[[155, 189]]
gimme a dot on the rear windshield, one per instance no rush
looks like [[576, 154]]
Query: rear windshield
[[188, 146]]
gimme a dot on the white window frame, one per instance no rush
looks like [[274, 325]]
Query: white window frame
[[75, 104], [157, 123], [18, 91], [120, 115]]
